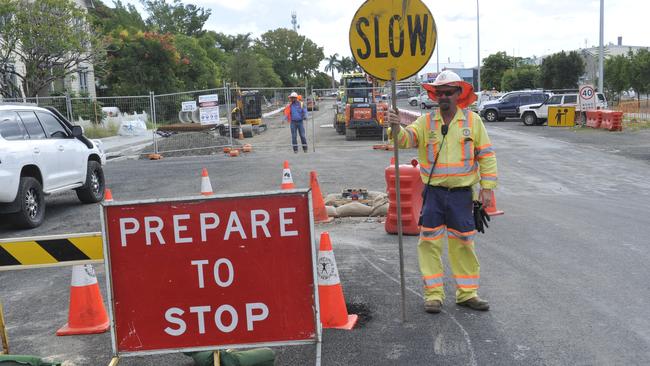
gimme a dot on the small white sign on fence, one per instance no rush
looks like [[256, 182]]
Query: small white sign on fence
[[209, 109], [189, 106]]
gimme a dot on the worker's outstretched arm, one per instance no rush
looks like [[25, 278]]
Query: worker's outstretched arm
[[409, 136]]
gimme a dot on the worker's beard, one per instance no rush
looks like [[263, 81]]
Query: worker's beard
[[444, 105]]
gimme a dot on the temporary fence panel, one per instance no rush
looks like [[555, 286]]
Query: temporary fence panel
[[191, 121]]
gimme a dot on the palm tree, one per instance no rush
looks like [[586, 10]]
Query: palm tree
[[332, 64]]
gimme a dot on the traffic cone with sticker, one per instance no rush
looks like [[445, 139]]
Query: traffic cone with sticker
[[492, 208], [206, 187], [86, 314], [333, 311], [287, 179], [320, 212]]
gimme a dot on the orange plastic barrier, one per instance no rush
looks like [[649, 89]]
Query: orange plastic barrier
[[612, 121], [411, 187], [594, 118]]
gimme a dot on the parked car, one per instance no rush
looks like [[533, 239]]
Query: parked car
[[506, 106], [311, 104], [423, 101], [42, 153], [534, 114]]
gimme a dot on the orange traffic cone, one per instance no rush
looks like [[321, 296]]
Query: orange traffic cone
[[206, 187], [108, 195], [333, 312], [492, 209], [320, 212], [87, 314], [287, 180]]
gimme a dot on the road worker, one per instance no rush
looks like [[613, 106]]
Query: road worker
[[296, 114], [455, 153]]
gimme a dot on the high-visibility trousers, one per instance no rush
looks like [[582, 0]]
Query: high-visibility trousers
[[448, 213]]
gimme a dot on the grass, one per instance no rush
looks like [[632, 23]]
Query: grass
[[98, 131], [636, 125]]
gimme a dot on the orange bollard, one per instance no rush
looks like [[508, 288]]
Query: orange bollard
[[320, 212], [108, 195], [333, 311]]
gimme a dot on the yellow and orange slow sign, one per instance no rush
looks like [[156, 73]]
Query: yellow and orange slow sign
[[392, 34]]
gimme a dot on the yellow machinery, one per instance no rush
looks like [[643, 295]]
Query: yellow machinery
[[248, 108]]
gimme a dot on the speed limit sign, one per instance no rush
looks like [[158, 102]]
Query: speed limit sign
[[587, 97]]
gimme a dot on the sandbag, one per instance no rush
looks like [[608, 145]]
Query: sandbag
[[332, 211], [23, 360], [251, 357], [354, 209], [134, 127], [380, 210], [331, 198]]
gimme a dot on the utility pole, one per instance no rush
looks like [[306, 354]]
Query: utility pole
[[601, 68], [478, 48]]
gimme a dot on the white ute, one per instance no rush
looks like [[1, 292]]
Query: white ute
[[41, 153], [534, 114]]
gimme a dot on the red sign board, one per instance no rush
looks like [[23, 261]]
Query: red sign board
[[210, 273]]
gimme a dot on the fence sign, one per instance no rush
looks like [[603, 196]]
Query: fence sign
[[209, 109], [198, 274], [189, 106], [392, 34]]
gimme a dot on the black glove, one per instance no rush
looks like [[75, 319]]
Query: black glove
[[481, 217]]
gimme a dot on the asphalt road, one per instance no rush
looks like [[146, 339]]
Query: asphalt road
[[565, 269]]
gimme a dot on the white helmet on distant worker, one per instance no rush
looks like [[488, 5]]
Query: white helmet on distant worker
[[450, 78], [293, 95]]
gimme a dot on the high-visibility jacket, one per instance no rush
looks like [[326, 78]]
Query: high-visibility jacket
[[467, 156], [287, 111]]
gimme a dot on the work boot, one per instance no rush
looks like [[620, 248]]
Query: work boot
[[475, 303], [295, 151], [433, 306], [304, 149]]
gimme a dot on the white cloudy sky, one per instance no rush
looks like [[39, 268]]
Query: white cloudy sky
[[520, 27]]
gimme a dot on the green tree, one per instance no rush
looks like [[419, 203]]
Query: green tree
[[562, 70], [348, 64], [333, 63], [195, 70], [175, 18], [248, 68], [494, 66], [142, 62], [322, 81], [233, 43], [639, 74], [52, 38], [524, 77], [617, 70], [118, 18], [294, 56]]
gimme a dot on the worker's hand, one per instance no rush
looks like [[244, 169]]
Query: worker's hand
[[393, 118], [485, 195]]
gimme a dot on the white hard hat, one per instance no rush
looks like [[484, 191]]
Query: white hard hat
[[293, 95], [448, 77]]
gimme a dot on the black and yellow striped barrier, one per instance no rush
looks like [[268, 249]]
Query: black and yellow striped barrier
[[50, 251]]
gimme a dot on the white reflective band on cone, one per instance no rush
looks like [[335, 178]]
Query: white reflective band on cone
[[328, 274], [83, 275]]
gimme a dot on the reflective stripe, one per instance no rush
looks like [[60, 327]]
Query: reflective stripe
[[463, 281], [431, 147], [491, 177], [433, 280], [466, 166], [467, 237], [403, 138], [432, 233], [482, 152], [414, 137]]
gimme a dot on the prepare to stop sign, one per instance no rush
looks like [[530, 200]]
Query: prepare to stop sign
[[212, 272]]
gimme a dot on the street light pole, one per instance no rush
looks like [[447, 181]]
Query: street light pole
[[478, 48], [601, 71]]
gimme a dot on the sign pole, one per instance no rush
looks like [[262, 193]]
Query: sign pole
[[395, 131]]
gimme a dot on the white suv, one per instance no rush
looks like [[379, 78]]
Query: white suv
[[423, 101], [42, 153], [533, 114]]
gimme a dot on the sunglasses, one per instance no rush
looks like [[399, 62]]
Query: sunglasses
[[449, 93]]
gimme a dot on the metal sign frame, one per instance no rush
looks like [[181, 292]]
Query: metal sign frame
[[317, 341]]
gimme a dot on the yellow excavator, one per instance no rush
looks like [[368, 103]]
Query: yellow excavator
[[248, 108]]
